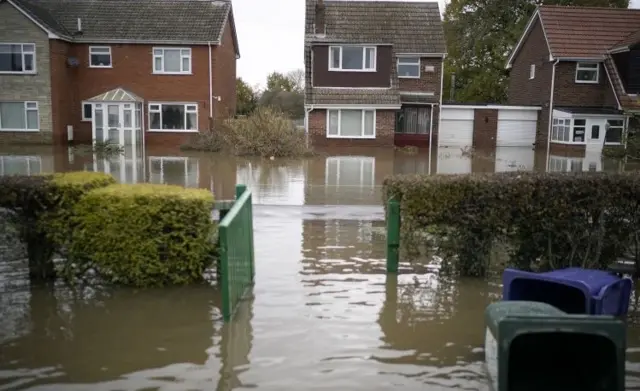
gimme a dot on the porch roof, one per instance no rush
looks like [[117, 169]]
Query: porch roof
[[408, 97], [116, 95], [590, 110]]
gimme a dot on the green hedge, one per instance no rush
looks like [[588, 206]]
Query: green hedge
[[144, 235], [543, 221]]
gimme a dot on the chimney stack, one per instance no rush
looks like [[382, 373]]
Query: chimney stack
[[320, 20]]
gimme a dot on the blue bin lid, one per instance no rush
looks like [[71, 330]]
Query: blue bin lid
[[595, 280]]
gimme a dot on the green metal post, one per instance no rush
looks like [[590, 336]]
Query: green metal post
[[224, 275], [393, 235], [240, 189]]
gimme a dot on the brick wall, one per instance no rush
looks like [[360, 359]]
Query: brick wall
[[428, 81], [16, 28], [569, 93], [385, 127], [224, 75]]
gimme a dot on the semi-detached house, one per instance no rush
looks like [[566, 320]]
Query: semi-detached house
[[373, 72], [133, 72]]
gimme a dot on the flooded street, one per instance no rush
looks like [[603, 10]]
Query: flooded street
[[323, 316]]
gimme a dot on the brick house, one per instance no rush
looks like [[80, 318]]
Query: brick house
[[144, 71], [373, 72], [580, 65]]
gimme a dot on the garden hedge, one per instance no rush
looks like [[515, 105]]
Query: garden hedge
[[543, 220], [144, 235]]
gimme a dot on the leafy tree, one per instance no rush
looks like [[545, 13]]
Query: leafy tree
[[246, 98], [291, 82], [481, 34], [285, 92]]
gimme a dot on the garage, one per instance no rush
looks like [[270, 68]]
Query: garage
[[515, 159], [456, 126], [453, 161], [517, 127]]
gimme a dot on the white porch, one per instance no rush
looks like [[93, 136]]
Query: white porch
[[117, 118], [593, 128]]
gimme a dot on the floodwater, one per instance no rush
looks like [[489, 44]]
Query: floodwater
[[323, 313]]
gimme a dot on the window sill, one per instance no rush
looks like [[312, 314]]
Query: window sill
[[568, 142], [19, 73], [613, 144], [586, 82], [86, 120], [172, 73], [172, 131], [353, 137], [101, 66], [352, 70], [20, 130], [408, 77]]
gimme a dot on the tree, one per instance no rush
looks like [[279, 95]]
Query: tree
[[285, 92], [293, 81], [247, 99], [480, 35]]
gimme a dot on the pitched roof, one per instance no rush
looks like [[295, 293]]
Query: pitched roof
[[629, 40], [118, 94], [193, 21], [411, 27]]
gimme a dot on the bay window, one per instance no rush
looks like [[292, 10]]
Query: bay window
[[17, 58], [351, 123], [352, 58], [19, 116], [173, 117]]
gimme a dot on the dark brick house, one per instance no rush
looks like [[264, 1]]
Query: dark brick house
[[144, 71], [373, 72], [580, 65]]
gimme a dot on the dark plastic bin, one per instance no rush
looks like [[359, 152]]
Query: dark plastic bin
[[531, 346], [572, 290]]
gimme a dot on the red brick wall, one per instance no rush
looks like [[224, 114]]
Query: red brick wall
[[132, 70], [569, 93], [385, 127], [428, 81]]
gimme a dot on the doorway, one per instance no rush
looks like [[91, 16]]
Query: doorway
[[117, 123]]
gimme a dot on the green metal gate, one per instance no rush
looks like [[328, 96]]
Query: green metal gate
[[235, 235]]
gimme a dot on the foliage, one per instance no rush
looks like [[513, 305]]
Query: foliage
[[246, 98], [144, 235], [100, 148], [211, 141], [546, 221], [631, 150], [481, 35], [291, 82], [40, 208], [290, 103]]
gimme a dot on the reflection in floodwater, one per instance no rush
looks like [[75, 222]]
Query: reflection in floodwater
[[324, 312]]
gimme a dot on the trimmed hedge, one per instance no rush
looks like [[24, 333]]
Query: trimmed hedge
[[41, 207], [545, 220], [144, 235]]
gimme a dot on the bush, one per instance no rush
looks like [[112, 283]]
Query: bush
[[144, 235], [266, 132], [545, 221], [41, 207]]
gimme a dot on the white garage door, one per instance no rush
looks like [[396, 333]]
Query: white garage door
[[453, 161], [456, 126], [514, 159], [516, 128]]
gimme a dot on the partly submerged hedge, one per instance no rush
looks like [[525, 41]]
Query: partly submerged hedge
[[144, 235], [41, 207], [545, 221]]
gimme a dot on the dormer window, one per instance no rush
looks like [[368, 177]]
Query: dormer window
[[587, 72], [352, 58]]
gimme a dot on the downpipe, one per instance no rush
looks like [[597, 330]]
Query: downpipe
[[550, 123]]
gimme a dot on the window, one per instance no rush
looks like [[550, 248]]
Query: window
[[87, 111], [172, 61], [409, 67], [173, 117], [532, 72], [180, 171], [587, 72], [579, 129], [561, 130], [18, 58], [615, 129], [352, 58], [413, 120], [350, 171], [19, 116], [100, 57], [20, 165], [351, 123]]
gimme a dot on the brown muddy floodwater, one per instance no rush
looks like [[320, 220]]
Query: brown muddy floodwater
[[323, 314]]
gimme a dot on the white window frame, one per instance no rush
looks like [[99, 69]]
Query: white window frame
[[587, 66], [374, 65], [28, 106], [23, 72], [622, 129], [82, 105], [98, 48], [402, 61], [557, 122], [188, 108], [362, 135], [182, 50], [532, 71], [185, 160], [362, 159], [30, 160]]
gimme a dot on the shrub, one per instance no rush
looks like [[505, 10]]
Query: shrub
[[144, 235], [266, 132], [546, 221]]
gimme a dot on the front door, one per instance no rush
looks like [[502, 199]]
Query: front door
[[116, 123], [596, 128]]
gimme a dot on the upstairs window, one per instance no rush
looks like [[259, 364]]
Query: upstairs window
[[352, 58], [100, 57], [532, 72], [172, 60], [587, 72], [409, 67], [17, 58]]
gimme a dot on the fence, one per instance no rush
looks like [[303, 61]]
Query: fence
[[393, 235], [235, 236]]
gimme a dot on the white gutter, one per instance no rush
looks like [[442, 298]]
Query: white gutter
[[550, 124], [307, 110], [439, 110], [210, 89]]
